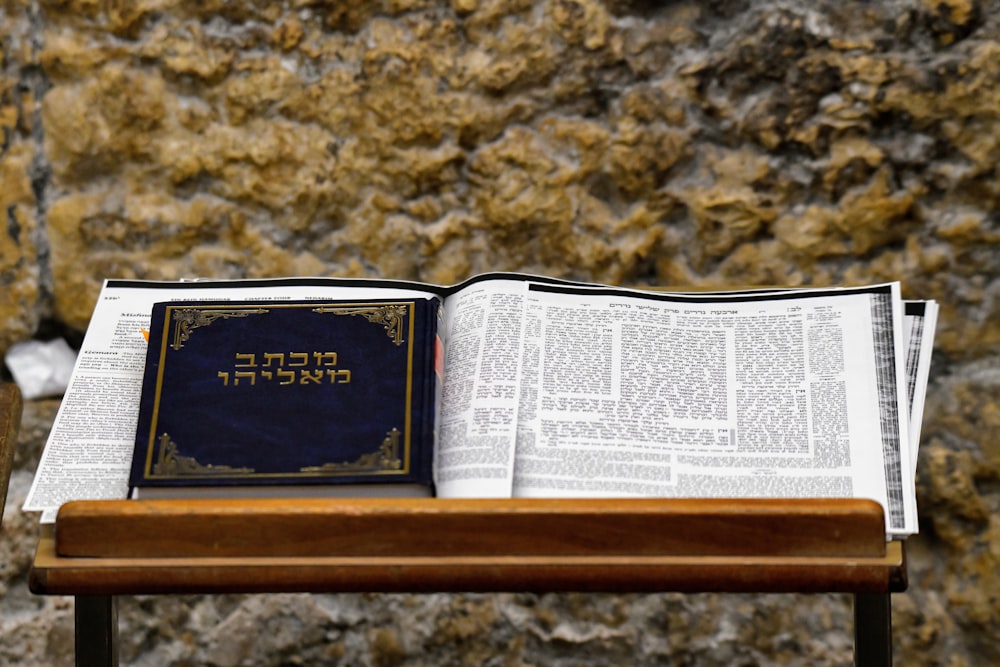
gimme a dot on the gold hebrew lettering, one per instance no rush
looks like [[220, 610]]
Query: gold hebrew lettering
[[335, 376], [287, 374], [298, 359], [307, 376], [250, 359], [325, 358], [245, 375], [267, 375], [225, 378], [279, 357]]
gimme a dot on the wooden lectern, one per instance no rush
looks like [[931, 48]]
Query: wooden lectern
[[101, 549]]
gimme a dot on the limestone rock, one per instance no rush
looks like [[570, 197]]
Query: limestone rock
[[21, 241]]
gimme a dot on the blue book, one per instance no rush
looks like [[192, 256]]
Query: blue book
[[253, 398]]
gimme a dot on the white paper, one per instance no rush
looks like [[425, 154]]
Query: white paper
[[41, 368]]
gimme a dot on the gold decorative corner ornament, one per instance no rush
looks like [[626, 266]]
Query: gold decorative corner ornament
[[170, 463], [391, 317], [187, 319], [384, 459]]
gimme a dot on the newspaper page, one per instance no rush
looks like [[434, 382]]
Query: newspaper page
[[794, 394], [89, 451]]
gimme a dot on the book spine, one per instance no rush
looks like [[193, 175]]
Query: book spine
[[147, 398]]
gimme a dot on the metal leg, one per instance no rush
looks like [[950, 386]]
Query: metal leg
[[96, 631], [872, 630]]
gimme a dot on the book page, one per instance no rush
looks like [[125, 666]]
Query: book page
[[920, 322], [790, 394], [477, 426], [89, 451]]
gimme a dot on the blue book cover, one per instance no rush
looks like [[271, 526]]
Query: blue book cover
[[288, 393]]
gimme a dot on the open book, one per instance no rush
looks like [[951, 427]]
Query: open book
[[553, 388]]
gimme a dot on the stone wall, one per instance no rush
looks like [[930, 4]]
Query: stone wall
[[709, 142]]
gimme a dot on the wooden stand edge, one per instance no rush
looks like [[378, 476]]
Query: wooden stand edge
[[418, 545], [432, 527]]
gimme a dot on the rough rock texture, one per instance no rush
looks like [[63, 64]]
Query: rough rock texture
[[691, 142], [21, 254]]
